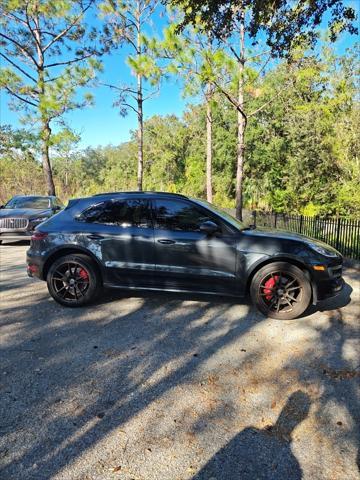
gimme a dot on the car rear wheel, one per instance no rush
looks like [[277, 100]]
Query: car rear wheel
[[73, 280], [281, 290]]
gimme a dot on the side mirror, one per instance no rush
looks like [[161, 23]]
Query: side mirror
[[209, 227], [56, 208]]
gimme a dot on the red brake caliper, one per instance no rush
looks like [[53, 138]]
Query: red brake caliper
[[84, 274], [269, 284]]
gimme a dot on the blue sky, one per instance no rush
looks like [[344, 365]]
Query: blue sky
[[102, 124]]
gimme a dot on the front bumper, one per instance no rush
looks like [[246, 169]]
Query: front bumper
[[328, 283], [330, 289]]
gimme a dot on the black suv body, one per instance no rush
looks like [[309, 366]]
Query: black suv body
[[20, 215], [163, 241]]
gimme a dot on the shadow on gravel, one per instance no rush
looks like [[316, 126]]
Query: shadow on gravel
[[15, 243], [72, 376], [266, 453], [94, 372]]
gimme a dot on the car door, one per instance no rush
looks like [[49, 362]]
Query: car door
[[120, 233], [187, 257]]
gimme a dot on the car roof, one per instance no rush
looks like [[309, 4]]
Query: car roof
[[142, 193]]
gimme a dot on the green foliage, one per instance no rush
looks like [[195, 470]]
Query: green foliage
[[44, 65], [20, 173], [302, 150], [285, 24]]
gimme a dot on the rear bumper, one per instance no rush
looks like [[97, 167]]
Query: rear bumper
[[35, 264]]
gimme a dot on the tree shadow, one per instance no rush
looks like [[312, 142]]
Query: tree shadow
[[98, 370], [71, 378], [261, 453]]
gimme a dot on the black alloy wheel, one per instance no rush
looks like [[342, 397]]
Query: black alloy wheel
[[281, 290], [73, 280]]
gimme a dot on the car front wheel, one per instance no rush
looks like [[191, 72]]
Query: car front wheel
[[73, 280], [281, 290]]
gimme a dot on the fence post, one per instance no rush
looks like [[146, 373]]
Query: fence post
[[254, 217], [301, 223], [338, 233], [275, 222]]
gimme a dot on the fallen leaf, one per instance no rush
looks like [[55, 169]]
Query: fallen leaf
[[115, 469]]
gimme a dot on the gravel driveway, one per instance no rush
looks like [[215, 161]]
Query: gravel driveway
[[174, 387]]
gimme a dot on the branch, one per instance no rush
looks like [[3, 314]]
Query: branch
[[17, 66], [69, 27], [152, 94], [30, 27], [258, 55], [68, 62], [131, 41], [130, 106], [231, 99], [232, 49], [14, 17], [126, 18], [262, 68], [52, 79], [22, 49], [120, 89], [20, 98], [150, 7], [265, 104]]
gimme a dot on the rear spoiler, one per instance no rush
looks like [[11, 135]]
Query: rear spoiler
[[71, 203]]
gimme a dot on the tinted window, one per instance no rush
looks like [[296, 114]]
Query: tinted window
[[29, 202], [175, 215], [122, 213]]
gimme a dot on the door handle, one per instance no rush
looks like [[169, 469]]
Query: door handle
[[95, 237], [166, 241]]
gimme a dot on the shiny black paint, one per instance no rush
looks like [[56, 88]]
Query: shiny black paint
[[154, 258]]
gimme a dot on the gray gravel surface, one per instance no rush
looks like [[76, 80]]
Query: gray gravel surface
[[174, 387]]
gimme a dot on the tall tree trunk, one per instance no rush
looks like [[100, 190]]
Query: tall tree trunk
[[209, 148], [140, 132], [45, 140], [241, 126], [45, 135]]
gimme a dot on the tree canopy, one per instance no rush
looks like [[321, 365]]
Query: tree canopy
[[284, 23], [302, 151]]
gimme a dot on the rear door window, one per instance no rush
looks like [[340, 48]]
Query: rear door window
[[120, 213]]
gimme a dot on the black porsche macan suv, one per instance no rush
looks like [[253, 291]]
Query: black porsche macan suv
[[163, 241]]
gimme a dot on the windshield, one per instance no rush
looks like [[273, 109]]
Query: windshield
[[223, 213], [29, 202]]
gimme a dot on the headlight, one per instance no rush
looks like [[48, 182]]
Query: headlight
[[38, 219], [322, 250]]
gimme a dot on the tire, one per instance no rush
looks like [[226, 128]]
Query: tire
[[74, 280], [281, 290]]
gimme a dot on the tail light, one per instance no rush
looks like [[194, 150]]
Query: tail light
[[32, 269], [38, 236]]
